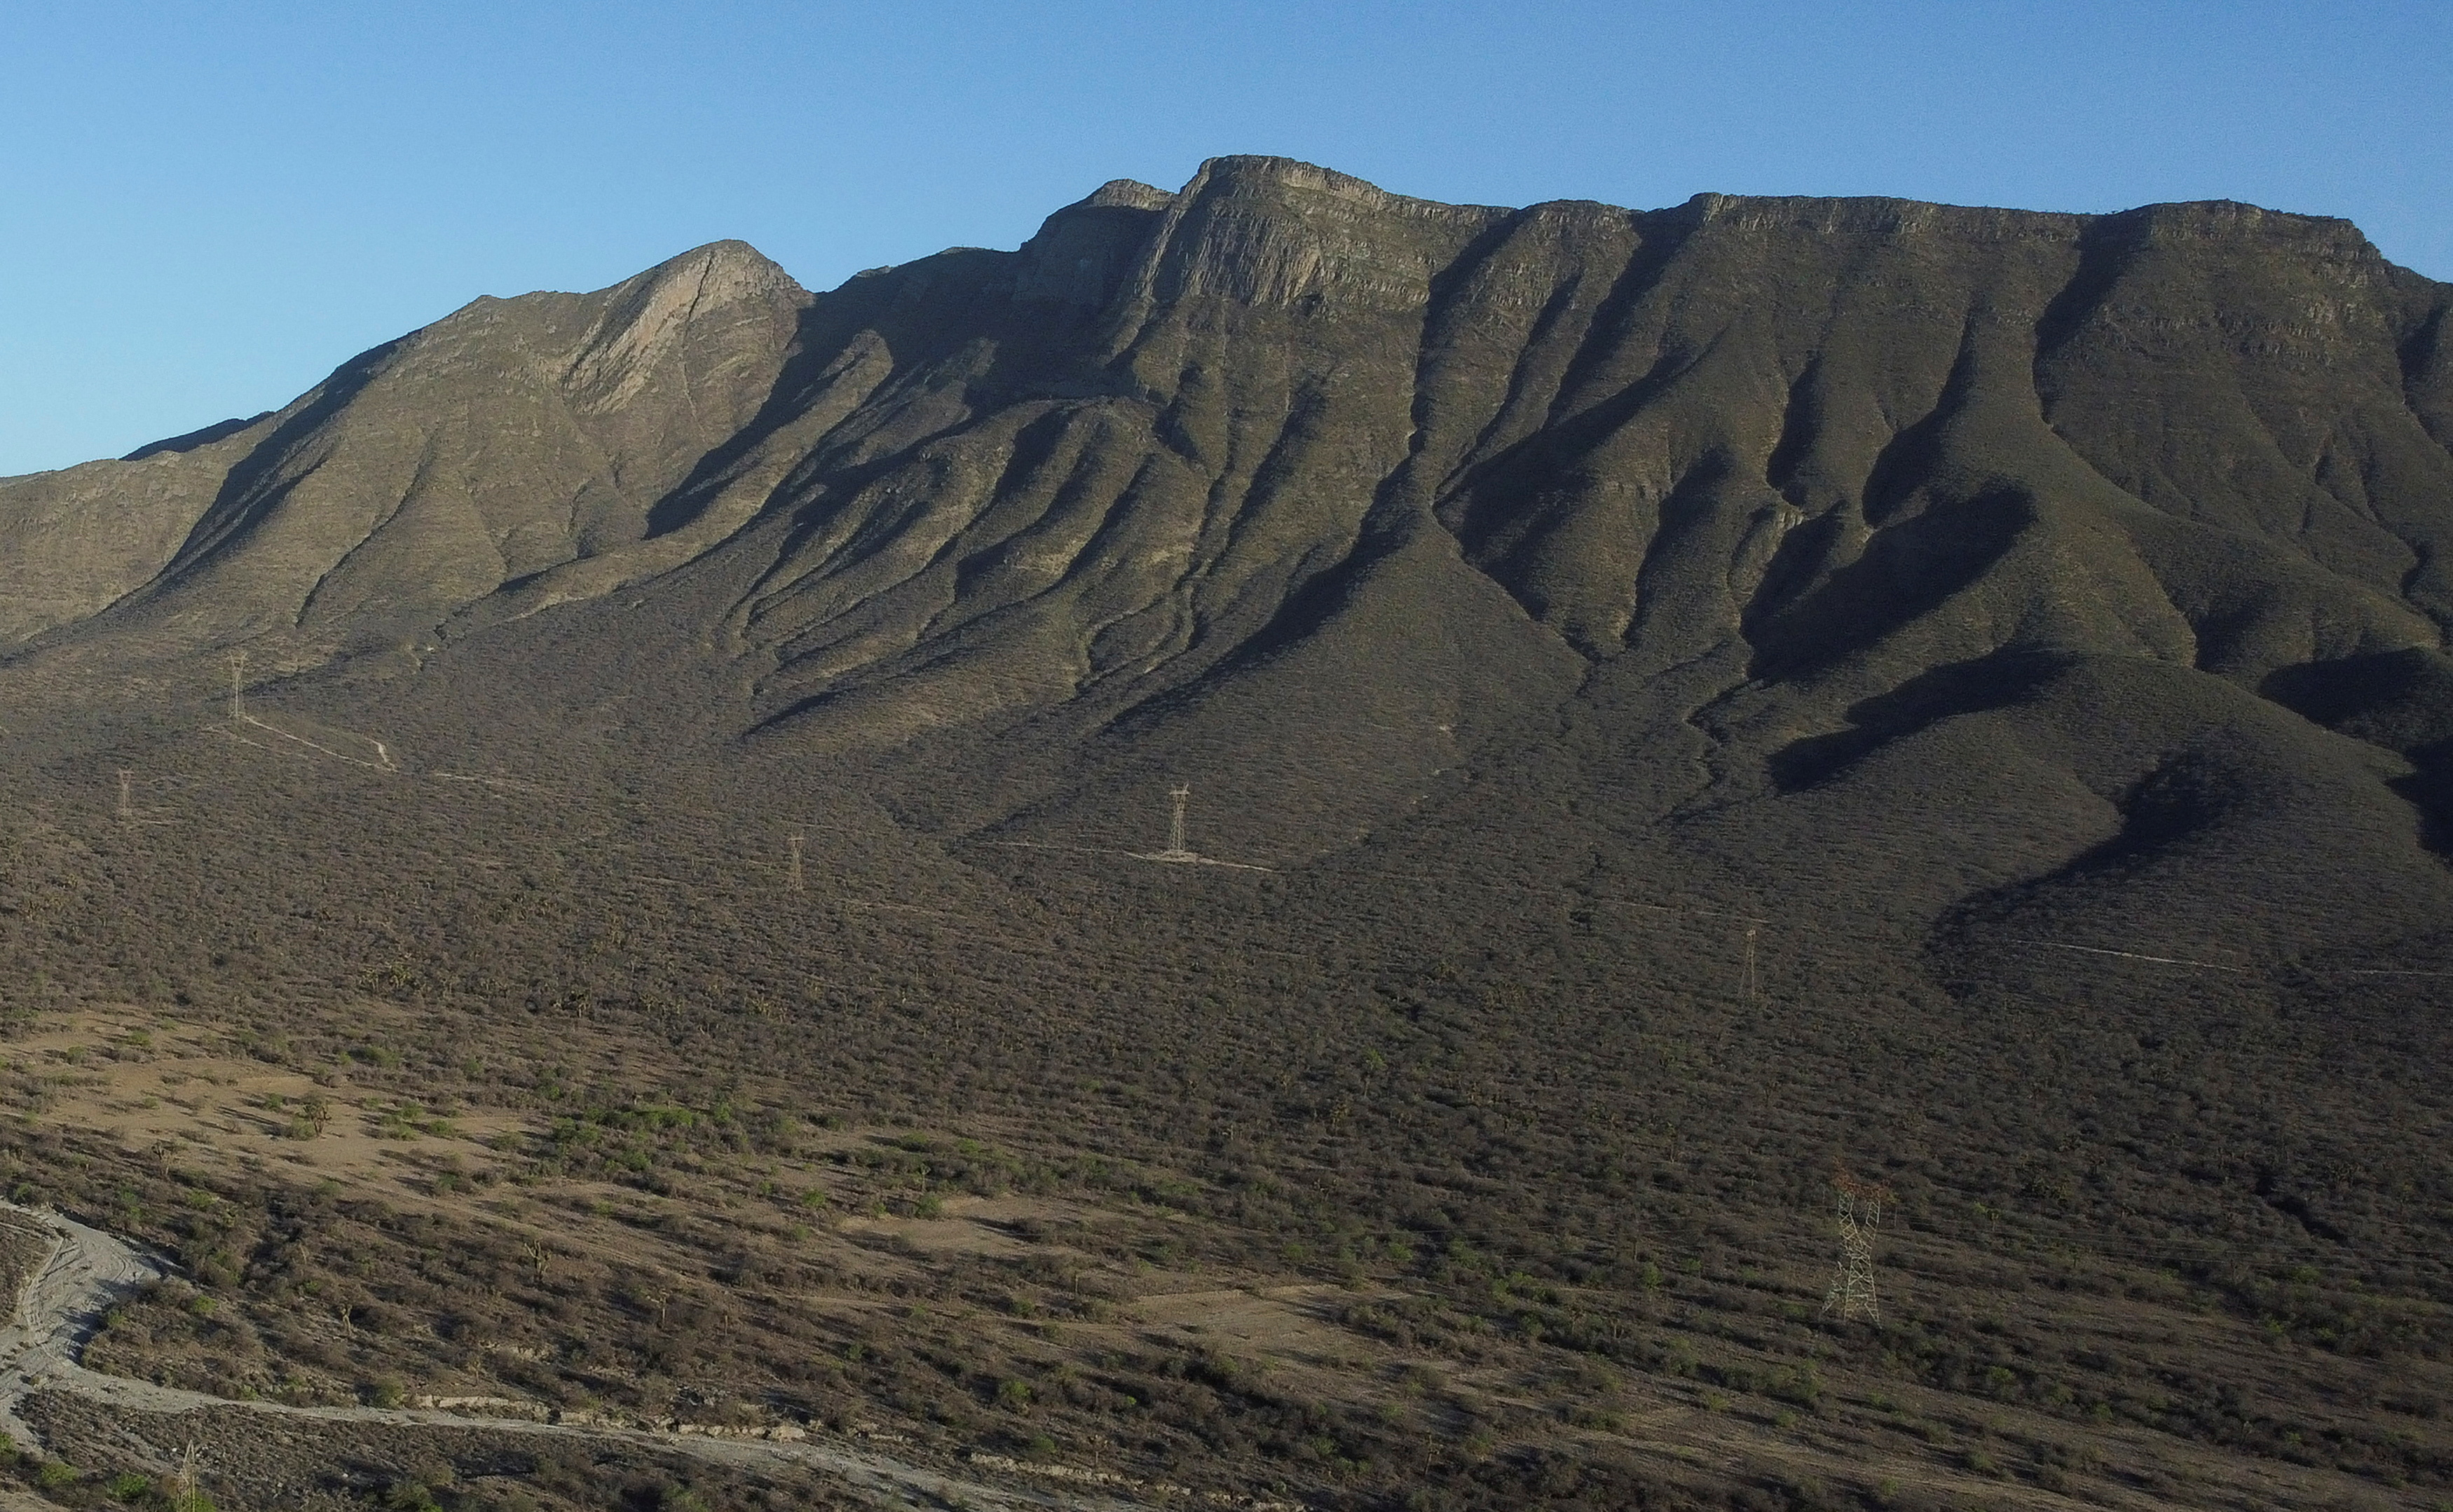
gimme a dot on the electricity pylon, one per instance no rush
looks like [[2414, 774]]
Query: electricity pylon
[[238, 666], [796, 861], [190, 1496], [126, 811], [1751, 985], [1176, 849], [1860, 1210]]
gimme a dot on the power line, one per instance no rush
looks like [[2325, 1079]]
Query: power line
[[2133, 955], [2383, 972], [1178, 851]]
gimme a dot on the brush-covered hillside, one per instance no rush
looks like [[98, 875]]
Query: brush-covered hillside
[[1687, 696], [1826, 517]]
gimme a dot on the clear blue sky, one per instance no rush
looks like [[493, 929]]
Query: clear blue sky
[[205, 207]]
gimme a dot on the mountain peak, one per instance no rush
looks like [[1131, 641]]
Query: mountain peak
[[1666, 698], [645, 317], [1127, 193]]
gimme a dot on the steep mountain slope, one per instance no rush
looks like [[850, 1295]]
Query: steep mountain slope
[[1840, 509], [1721, 690], [510, 439]]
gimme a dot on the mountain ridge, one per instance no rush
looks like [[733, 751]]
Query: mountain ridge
[[1417, 787], [1280, 470]]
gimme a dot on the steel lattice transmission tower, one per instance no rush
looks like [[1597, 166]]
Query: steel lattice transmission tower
[[1176, 849], [238, 670], [1858, 1208], [192, 1496], [126, 809], [796, 839]]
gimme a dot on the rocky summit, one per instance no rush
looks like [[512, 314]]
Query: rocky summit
[[1797, 504], [1686, 697]]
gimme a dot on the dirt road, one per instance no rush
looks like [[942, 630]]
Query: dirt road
[[88, 1272]]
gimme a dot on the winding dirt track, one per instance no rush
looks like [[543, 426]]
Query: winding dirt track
[[88, 1270]]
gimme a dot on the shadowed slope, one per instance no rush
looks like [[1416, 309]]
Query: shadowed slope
[[1684, 698], [1299, 487]]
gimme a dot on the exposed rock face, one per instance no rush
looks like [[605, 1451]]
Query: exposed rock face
[[1793, 516], [507, 439]]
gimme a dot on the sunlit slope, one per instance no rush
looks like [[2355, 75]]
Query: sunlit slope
[[506, 440], [1852, 553]]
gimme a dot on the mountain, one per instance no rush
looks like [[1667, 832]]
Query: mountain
[[1818, 512], [1962, 691], [510, 439]]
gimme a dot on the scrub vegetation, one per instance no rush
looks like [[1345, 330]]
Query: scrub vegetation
[[1688, 702]]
